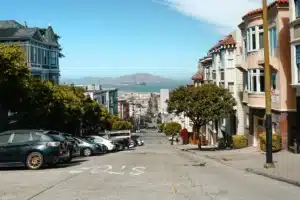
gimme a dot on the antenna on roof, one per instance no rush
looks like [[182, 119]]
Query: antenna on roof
[[25, 24]]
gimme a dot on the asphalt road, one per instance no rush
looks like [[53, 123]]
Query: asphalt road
[[154, 171]]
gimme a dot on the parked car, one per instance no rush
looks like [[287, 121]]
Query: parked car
[[137, 140], [72, 144], [100, 140], [31, 148], [88, 148], [121, 138]]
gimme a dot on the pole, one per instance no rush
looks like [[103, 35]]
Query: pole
[[268, 122]]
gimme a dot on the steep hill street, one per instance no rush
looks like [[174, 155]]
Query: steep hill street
[[153, 171]]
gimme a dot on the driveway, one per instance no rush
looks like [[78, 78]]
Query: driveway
[[154, 171]]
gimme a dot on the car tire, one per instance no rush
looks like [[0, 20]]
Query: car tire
[[87, 152], [34, 160]]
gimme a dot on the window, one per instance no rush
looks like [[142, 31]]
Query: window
[[273, 40], [103, 100], [222, 76], [256, 80], [254, 38], [221, 84], [297, 8], [247, 120], [53, 58], [260, 122], [21, 137], [273, 81], [298, 60], [34, 55], [4, 138], [214, 75], [222, 58], [44, 57], [231, 87], [245, 78]]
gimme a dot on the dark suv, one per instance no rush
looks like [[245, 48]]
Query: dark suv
[[31, 148]]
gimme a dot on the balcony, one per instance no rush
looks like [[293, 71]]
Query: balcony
[[241, 62], [274, 61]]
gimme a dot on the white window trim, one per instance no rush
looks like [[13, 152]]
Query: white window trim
[[257, 74], [256, 32]]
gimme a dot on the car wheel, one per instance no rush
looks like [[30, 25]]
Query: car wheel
[[121, 147], [87, 152], [34, 160]]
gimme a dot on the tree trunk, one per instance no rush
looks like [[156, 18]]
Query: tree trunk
[[172, 139], [199, 138]]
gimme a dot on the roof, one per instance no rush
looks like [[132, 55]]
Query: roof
[[198, 76], [228, 40], [12, 30], [260, 10], [16, 33]]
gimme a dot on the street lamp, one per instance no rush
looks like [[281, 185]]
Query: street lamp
[[268, 121]]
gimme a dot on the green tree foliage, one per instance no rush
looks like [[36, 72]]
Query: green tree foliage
[[122, 125], [202, 104], [171, 128], [14, 74]]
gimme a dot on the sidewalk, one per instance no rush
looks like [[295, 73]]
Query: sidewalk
[[287, 165]]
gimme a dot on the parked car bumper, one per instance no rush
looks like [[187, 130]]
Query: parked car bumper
[[55, 156]]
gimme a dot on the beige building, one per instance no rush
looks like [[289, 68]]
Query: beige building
[[251, 62]]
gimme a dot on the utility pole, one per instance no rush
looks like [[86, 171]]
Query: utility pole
[[268, 120]]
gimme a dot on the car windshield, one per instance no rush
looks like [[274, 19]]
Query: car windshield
[[85, 140]]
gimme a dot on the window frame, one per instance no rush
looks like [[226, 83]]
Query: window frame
[[253, 31], [255, 73], [297, 9]]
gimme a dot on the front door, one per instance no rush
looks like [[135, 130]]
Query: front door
[[4, 138], [18, 147]]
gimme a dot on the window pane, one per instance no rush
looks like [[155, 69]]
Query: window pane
[[254, 89], [261, 40], [253, 41], [273, 82], [262, 83], [4, 138], [21, 137]]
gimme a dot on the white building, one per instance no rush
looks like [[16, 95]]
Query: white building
[[219, 67]]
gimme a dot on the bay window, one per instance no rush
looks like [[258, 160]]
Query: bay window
[[273, 40], [222, 58], [53, 55], [256, 80], [254, 38]]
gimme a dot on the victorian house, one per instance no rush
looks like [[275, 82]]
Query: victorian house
[[283, 79], [40, 45]]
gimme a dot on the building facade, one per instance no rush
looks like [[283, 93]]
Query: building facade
[[123, 109], [252, 65], [218, 67], [40, 45], [294, 8]]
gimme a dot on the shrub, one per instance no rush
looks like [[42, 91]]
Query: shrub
[[172, 128], [276, 142], [239, 141], [161, 126], [121, 125]]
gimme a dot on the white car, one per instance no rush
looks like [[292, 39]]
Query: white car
[[100, 140]]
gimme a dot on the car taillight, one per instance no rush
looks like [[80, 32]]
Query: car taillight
[[53, 144]]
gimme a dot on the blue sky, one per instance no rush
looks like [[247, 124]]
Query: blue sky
[[117, 37]]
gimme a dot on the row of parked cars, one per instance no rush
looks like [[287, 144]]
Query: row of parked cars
[[37, 148]]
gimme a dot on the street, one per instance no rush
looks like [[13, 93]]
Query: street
[[154, 171]]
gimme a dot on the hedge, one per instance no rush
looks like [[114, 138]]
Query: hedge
[[276, 142], [239, 141]]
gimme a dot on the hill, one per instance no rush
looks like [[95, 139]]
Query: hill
[[126, 79]]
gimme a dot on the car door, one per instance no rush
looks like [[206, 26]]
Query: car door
[[4, 138], [18, 147]]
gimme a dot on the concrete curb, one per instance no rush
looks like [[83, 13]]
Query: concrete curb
[[278, 178]]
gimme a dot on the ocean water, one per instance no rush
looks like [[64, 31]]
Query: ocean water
[[145, 88]]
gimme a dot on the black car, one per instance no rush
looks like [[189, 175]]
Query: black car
[[88, 148], [72, 144], [31, 148]]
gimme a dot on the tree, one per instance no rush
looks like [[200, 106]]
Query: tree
[[202, 104], [172, 128], [14, 75]]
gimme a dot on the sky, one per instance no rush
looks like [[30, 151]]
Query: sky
[[110, 38]]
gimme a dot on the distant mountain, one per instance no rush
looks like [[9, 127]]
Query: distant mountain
[[126, 79]]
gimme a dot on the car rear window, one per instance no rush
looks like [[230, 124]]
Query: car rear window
[[56, 137]]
